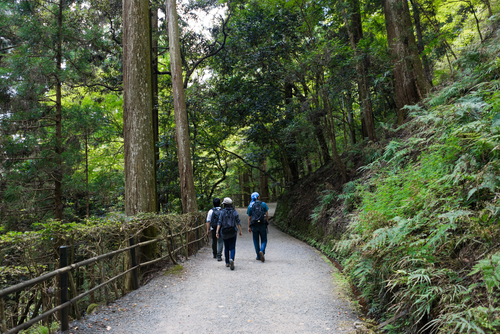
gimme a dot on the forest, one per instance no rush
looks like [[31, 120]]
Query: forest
[[375, 125]]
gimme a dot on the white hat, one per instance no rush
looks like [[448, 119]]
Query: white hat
[[227, 200]]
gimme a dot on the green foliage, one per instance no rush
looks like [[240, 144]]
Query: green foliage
[[490, 269], [423, 219], [26, 255], [42, 329], [349, 195], [423, 234]]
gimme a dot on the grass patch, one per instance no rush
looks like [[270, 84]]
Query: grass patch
[[175, 270]]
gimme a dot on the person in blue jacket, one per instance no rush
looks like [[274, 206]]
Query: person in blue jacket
[[258, 219]]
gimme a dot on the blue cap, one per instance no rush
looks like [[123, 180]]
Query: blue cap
[[254, 196]]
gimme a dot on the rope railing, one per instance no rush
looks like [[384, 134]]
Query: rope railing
[[65, 269]]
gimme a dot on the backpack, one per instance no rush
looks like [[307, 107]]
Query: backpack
[[228, 223], [215, 217], [258, 215]]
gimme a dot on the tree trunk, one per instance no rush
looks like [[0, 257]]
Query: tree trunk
[[264, 183], [140, 176], [318, 127], [316, 119], [350, 118], [188, 192], [87, 196], [355, 31], [473, 11], [318, 130], [290, 163], [420, 42], [246, 187], [333, 140], [488, 5], [154, 87], [140, 185], [58, 174], [409, 82]]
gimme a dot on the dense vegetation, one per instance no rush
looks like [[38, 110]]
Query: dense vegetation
[[419, 222], [377, 120]]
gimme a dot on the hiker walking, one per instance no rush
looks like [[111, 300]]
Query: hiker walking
[[258, 219], [212, 220], [227, 227]]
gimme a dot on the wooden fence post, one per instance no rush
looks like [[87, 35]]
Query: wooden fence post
[[2, 315], [63, 262], [134, 263], [197, 235]]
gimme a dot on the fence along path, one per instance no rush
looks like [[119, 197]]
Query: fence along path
[[295, 291], [53, 288]]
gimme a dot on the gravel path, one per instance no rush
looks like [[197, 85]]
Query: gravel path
[[296, 290]]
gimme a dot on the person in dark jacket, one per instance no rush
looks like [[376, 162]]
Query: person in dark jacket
[[227, 227]]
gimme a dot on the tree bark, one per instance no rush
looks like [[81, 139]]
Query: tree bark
[[140, 183], [333, 140], [350, 118], [87, 195], [355, 31], [290, 163], [420, 43], [188, 192], [58, 174], [315, 118], [409, 81], [246, 187], [488, 5], [154, 87], [264, 182]]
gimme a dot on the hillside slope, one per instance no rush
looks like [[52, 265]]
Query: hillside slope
[[417, 226]]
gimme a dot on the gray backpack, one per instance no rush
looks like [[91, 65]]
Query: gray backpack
[[228, 222]]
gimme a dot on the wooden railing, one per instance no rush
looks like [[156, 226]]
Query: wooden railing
[[65, 269]]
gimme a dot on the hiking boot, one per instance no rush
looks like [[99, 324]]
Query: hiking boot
[[219, 258], [261, 255], [231, 263], [227, 264]]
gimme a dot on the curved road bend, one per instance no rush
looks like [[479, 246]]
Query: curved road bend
[[296, 290]]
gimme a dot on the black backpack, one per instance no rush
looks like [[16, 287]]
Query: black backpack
[[258, 215], [228, 223], [215, 217]]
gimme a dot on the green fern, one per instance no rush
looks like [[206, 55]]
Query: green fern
[[490, 268]]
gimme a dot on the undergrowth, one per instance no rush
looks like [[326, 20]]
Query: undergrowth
[[423, 242], [425, 236]]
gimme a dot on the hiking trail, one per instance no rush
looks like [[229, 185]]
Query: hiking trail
[[296, 290]]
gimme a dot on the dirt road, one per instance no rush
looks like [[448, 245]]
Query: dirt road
[[296, 290]]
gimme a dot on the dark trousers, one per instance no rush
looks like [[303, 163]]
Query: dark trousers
[[229, 247], [259, 232], [217, 244]]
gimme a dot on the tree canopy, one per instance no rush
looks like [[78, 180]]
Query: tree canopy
[[274, 89]]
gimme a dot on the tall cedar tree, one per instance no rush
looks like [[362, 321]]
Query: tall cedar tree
[[352, 19], [140, 177], [188, 192], [409, 80]]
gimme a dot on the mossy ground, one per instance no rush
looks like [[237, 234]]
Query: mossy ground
[[175, 270]]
